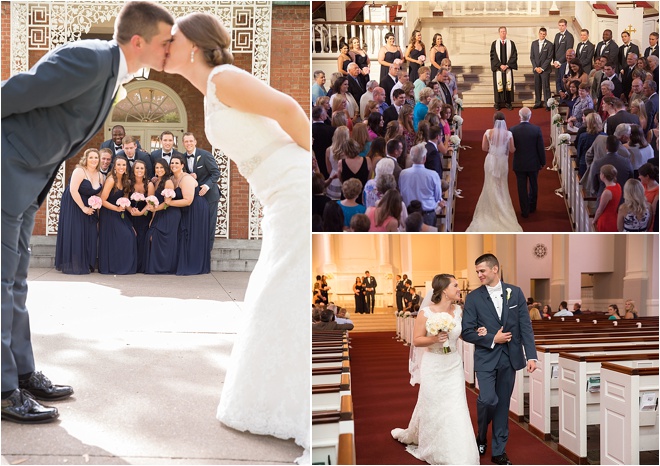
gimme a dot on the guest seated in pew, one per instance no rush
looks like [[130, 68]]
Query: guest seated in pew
[[577, 309], [534, 314], [341, 318], [563, 310], [328, 322], [360, 223], [316, 314], [412, 299], [613, 312], [546, 311], [631, 312]]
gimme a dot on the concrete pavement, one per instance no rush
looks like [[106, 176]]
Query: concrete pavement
[[146, 356]]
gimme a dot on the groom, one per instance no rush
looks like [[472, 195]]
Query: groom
[[502, 309], [64, 100]]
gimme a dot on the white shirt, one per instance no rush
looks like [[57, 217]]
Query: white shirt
[[122, 74], [495, 293]]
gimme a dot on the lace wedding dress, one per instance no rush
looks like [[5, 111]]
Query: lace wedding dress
[[440, 430], [494, 211], [267, 388]]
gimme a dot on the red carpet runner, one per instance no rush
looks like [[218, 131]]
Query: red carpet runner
[[551, 213], [384, 399]]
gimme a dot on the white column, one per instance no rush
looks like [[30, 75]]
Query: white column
[[635, 280], [560, 260]]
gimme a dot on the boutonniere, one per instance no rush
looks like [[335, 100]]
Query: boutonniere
[[508, 293], [197, 158], [120, 95]]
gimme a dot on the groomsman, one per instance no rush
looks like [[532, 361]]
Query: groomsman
[[115, 142], [564, 41], [503, 60], [585, 51], [626, 48], [652, 49], [607, 47], [540, 55], [167, 149], [370, 291], [132, 152], [202, 166], [392, 112], [400, 291]]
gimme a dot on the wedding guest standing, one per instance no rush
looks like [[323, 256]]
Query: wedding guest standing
[[117, 240], [415, 55], [194, 251], [370, 292], [606, 214], [386, 56], [503, 60], [140, 216], [77, 232], [163, 233], [437, 53]]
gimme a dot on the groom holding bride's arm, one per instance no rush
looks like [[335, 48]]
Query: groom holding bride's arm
[[502, 309]]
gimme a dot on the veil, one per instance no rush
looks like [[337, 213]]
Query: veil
[[499, 136], [416, 353]]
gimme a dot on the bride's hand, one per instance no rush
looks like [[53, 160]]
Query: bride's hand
[[442, 337], [481, 331]]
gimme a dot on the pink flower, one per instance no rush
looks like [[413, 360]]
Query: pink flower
[[95, 202], [137, 197], [123, 202], [168, 193], [152, 200]]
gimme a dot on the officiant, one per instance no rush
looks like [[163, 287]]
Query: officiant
[[503, 60]]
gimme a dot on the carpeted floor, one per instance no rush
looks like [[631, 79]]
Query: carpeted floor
[[384, 399], [551, 214]]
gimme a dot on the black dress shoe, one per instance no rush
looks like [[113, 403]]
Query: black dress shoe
[[42, 389], [538, 106], [22, 408], [547, 109], [500, 459], [497, 107], [482, 447], [509, 106]]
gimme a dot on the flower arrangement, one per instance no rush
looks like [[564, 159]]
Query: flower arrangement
[[95, 202], [123, 202], [552, 103], [441, 322], [455, 141], [422, 58], [557, 120], [168, 193], [152, 201], [406, 314], [564, 138], [458, 121], [137, 197], [459, 102]]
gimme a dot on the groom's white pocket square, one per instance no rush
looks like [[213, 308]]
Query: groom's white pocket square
[[511, 307]]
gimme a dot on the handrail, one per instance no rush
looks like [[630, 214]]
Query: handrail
[[327, 35]]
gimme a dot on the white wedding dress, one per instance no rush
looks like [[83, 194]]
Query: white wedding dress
[[440, 430], [267, 387], [494, 211]]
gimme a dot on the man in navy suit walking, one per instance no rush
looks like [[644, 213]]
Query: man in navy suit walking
[[506, 348], [528, 159], [48, 116]]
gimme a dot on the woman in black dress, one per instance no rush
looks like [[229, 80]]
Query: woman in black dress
[[140, 216], [438, 53], [343, 59], [387, 54], [359, 56], [415, 53], [358, 290]]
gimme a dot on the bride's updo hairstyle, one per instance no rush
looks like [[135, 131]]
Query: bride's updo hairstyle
[[498, 116], [440, 283], [209, 35]]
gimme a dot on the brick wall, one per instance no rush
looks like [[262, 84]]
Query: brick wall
[[289, 39]]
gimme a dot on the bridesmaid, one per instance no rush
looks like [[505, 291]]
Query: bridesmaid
[[117, 239], [438, 53], [343, 59], [163, 233], [358, 290], [140, 216], [414, 52], [359, 56], [387, 54], [194, 249], [77, 234]]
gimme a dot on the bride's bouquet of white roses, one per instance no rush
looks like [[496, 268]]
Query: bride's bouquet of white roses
[[441, 322], [564, 138]]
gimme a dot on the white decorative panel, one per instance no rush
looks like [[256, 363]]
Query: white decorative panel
[[222, 225]]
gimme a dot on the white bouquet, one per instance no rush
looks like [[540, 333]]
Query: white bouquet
[[552, 103], [458, 120], [440, 322], [406, 314], [557, 120], [459, 102], [454, 140], [564, 138]]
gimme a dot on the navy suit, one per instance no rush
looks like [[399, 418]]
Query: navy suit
[[110, 144], [611, 51], [144, 157], [207, 172], [158, 154], [528, 159], [496, 364], [48, 115]]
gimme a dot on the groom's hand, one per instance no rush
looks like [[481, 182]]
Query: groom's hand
[[531, 366], [502, 337]]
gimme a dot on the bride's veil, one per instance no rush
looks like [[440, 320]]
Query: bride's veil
[[499, 134]]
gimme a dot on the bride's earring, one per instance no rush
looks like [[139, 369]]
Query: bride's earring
[[192, 56]]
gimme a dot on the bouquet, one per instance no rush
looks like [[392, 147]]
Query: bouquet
[[455, 141], [552, 103], [422, 58], [152, 201], [95, 202], [556, 120], [441, 322], [168, 193], [459, 102], [564, 138], [458, 121], [406, 314], [123, 202], [137, 197]]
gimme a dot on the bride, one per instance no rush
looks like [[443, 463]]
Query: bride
[[440, 430], [266, 133], [494, 211]]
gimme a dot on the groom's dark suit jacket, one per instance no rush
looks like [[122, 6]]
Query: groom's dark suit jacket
[[480, 312], [49, 113]]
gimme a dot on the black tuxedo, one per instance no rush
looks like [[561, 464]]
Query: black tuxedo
[[110, 144], [562, 45], [561, 72], [542, 59], [158, 154], [585, 53], [390, 114], [627, 79], [621, 117], [370, 282], [400, 291], [322, 139], [496, 364], [648, 52], [207, 172], [144, 157], [528, 159], [621, 60], [433, 159], [387, 83], [609, 50], [356, 88]]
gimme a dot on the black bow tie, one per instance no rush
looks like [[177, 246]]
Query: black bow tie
[[169, 154], [190, 156], [117, 148]]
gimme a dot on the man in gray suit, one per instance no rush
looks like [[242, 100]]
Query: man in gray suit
[[540, 55], [528, 159], [64, 100], [584, 51], [564, 41], [502, 309]]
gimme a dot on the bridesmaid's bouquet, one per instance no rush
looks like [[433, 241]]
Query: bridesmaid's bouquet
[[441, 322], [168, 193], [123, 202], [152, 201], [95, 202], [422, 58], [137, 197]]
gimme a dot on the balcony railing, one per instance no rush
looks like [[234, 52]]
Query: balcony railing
[[327, 35]]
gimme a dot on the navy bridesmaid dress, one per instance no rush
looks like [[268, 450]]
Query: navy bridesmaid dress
[[77, 233], [439, 56], [141, 225], [194, 244], [413, 67], [117, 241], [161, 241]]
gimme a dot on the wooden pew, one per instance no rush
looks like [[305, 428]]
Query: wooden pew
[[621, 386], [579, 407]]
